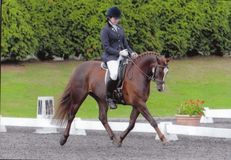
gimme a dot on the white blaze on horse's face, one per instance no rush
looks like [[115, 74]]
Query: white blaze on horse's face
[[165, 73], [160, 79]]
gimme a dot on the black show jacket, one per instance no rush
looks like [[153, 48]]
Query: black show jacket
[[113, 42]]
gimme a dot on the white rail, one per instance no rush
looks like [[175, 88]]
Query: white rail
[[209, 114], [79, 126]]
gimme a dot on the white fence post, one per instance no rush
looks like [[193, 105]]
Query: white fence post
[[74, 130], [205, 118], [2, 127], [168, 136]]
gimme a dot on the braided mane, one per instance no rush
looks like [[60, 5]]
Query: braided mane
[[144, 54]]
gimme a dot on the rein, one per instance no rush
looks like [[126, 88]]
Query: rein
[[152, 77]]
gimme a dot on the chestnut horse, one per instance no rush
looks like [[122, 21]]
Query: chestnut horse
[[88, 79]]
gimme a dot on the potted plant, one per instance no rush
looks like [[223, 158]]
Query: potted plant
[[190, 112]]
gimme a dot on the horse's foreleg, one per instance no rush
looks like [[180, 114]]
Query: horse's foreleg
[[133, 116], [103, 108], [142, 108]]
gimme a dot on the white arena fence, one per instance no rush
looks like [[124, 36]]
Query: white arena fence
[[45, 109], [210, 114], [79, 127]]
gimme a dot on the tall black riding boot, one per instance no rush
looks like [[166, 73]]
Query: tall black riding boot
[[110, 87]]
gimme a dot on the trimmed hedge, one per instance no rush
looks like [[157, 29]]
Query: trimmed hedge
[[55, 27]]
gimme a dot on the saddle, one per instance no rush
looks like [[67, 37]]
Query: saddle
[[117, 94]]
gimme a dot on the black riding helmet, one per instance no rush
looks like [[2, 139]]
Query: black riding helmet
[[113, 12]]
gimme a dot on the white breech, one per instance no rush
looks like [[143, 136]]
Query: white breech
[[113, 67]]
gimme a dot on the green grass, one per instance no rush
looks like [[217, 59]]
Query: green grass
[[206, 78]]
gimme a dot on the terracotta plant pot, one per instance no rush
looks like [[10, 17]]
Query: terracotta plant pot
[[193, 120]]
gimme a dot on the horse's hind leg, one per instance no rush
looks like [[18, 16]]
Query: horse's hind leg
[[133, 116], [103, 108], [71, 116], [65, 135]]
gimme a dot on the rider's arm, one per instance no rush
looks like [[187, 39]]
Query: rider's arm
[[106, 45]]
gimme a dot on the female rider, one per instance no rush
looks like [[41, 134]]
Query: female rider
[[115, 48]]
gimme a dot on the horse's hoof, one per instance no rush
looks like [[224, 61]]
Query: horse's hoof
[[63, 140], [116, 142], [165, 141]]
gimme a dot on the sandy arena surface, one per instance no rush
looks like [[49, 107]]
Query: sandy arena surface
[[22, 143]]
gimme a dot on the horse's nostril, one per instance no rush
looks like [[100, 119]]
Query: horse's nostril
[[159, 90]]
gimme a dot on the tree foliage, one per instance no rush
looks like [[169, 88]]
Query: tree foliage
[[55, 27]]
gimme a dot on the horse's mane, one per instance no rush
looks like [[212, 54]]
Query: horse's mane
[[145, 54], [140, 57]]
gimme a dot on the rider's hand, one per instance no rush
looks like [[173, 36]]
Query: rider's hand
[[134, 54], [124, 53]]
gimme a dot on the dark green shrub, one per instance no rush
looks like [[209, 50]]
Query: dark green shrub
[[62, 28]]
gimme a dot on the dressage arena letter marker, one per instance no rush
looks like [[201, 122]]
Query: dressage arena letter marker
[[45, 107], [45, 111]]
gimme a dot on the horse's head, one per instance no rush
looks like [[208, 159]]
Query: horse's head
[[156, 67], [159, 71]]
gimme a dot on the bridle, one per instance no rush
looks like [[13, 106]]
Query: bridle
[[153, 76]]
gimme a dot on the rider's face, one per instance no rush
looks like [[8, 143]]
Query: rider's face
[[114, 20]]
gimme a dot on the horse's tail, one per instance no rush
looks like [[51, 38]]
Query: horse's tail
[[64, 105]]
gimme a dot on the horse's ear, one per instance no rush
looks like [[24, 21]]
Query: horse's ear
[[158, 59], [167, 58], [162, 60]]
